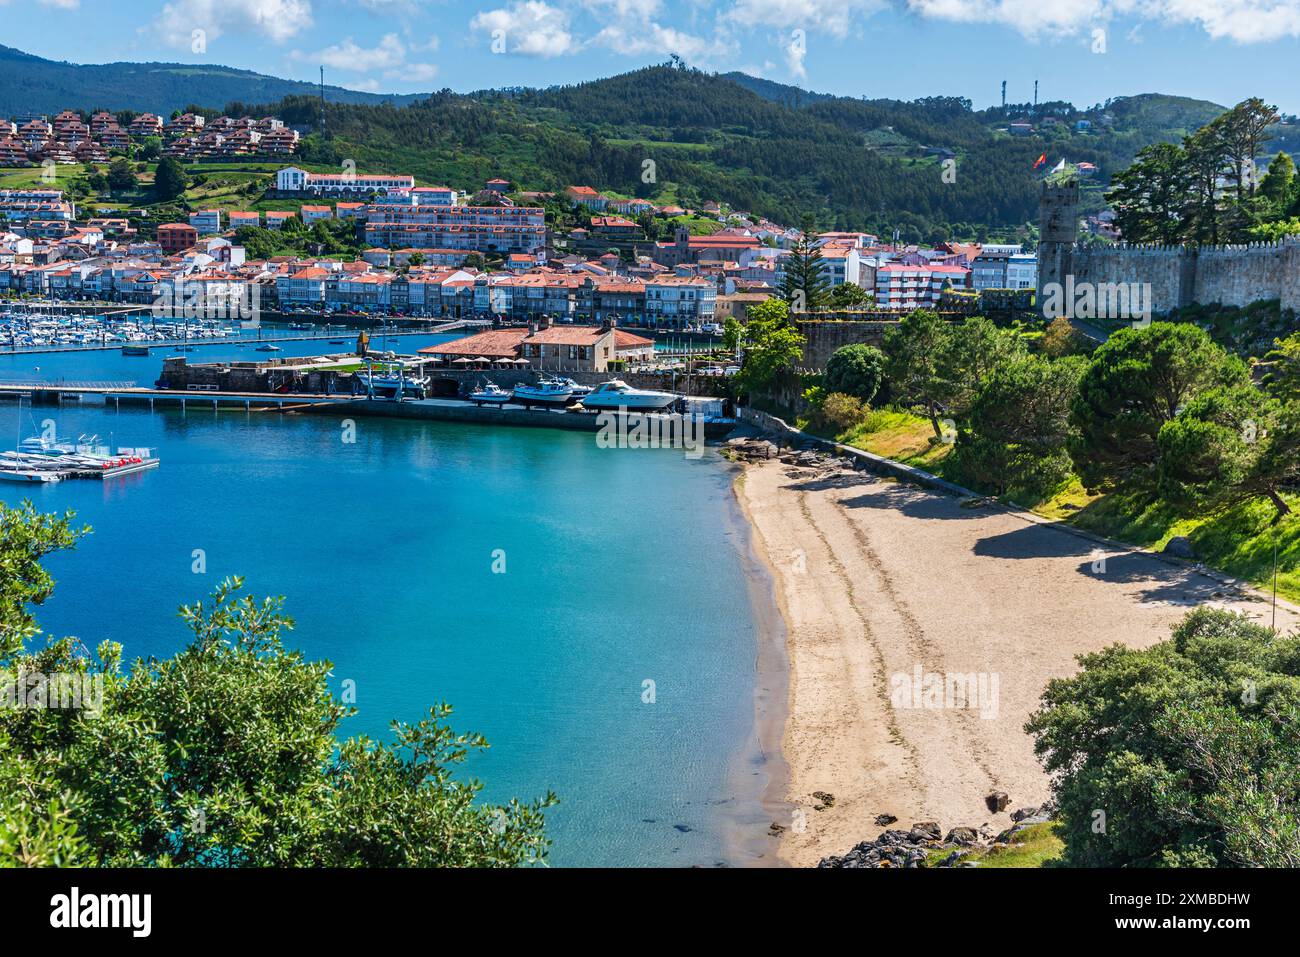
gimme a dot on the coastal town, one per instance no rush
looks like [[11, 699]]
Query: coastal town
[[900, 477], [431, 252]]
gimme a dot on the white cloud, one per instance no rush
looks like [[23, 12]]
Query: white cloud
[[529, 27], [1245, 21], [836, 17], [277, 19], [389, 53], [414, 72], [796, 50]]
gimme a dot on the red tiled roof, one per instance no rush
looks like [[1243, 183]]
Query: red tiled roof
[[495, 344]]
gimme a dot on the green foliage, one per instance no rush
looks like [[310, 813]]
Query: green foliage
[[841, 411], [1203, 190], [968, 355], [1190, 749], [804, 286], [1137, 381], [770, 344], [168, 180], [912, 356], [121, 177], [1230, 445], [1018, 427], [857, 370], [26, 537], [1283, 377], [225, 754], [848, 296]]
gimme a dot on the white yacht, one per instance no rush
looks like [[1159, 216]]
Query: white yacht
[[617, 394]]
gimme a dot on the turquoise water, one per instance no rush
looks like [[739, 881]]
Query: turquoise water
[[622, 566], [109, 365]]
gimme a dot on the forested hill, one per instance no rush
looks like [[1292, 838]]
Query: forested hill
[[854, 164], [36, 85], [761, 146]]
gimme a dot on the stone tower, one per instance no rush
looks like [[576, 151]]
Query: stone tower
[[1058, 230]]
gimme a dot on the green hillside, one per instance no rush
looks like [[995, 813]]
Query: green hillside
[[667, 133], [33, 84]]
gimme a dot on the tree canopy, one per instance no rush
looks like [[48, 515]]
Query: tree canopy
[[225, 754], [1185, 754]]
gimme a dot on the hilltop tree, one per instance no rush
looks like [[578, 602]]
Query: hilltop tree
[[121, 177], [168, 179], [1151, 197], [223, 755], [804, 287], [1136, 382], [1180, 755]]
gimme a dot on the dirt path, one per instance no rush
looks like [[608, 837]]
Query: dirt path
[[877, 580]]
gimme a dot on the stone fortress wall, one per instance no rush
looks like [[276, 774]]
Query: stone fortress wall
[[1178, 275]]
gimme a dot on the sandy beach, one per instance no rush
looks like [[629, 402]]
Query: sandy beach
[[883, 586]]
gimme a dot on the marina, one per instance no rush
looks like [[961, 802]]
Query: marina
[[46, 461]]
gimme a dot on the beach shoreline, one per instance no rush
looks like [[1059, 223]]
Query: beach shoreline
[[875, 580]]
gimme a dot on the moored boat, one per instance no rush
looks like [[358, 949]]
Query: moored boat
[[617, 394], [543, 392], [490, 394]]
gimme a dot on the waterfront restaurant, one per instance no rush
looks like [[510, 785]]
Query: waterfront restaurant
[[568, 348]]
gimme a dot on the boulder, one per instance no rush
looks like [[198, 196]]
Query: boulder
[[925, 831], [884, 820], [962, 835], [1180, 546], [998, 801]]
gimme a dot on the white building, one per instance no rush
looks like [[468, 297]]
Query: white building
[[291, 179]]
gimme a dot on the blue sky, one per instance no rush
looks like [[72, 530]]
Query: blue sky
[[1079, 50]]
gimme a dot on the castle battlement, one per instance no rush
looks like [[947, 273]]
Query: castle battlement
[[1179, 275]]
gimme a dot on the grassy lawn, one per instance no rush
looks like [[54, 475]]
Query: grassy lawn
[[1036, 846], [896, 435]]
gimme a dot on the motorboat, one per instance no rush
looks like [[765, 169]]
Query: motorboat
[[135, 350], [579, 391], [543, 392], [268, 348], [490, 394], [617, 394]]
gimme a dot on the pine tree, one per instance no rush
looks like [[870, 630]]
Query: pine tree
[[804, 286]]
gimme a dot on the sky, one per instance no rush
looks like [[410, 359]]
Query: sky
[[1084, 51]]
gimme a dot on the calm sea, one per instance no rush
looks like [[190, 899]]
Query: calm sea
[[621, 567]]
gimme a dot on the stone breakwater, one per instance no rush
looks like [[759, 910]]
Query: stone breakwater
[[917, 847]]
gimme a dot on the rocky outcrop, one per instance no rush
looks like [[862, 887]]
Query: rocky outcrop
[[918, 847]]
